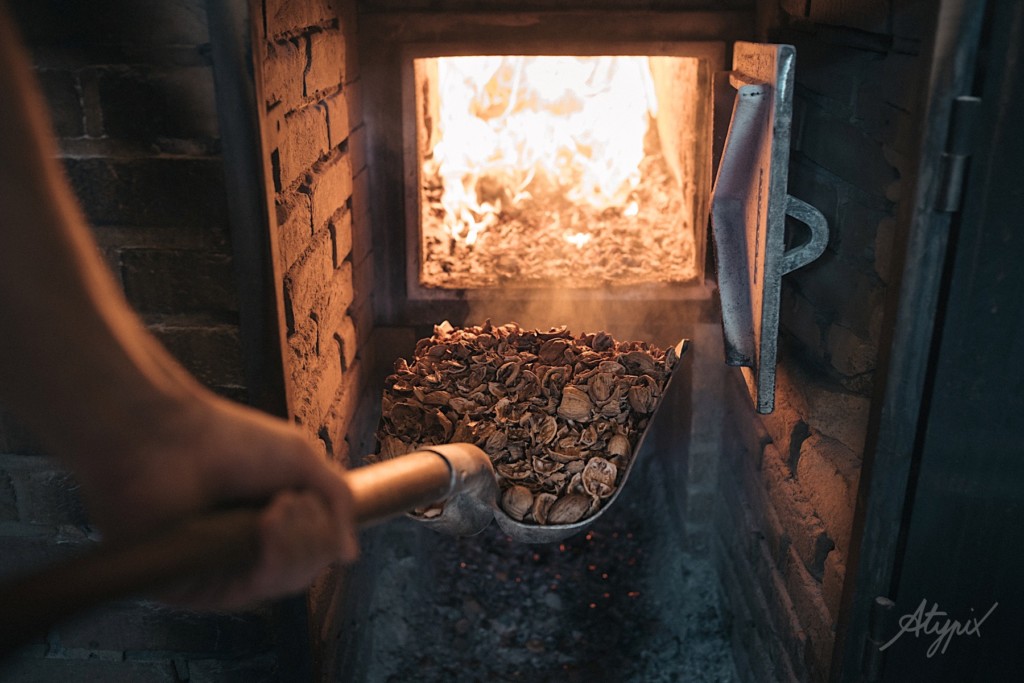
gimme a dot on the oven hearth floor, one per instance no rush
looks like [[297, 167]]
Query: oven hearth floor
[[620, 602]]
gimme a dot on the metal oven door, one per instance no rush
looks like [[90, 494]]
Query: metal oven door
[[749, 207]]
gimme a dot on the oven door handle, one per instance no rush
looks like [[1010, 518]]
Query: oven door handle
[[805, 253]]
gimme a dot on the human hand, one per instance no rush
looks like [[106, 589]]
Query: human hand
[[149, 446], [202, 454]]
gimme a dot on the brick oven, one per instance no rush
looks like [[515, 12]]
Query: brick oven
[[254, 173]]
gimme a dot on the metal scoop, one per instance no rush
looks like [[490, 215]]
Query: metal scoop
[[473, 502]]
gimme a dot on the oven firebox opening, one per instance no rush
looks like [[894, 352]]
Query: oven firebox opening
[[559, 171]]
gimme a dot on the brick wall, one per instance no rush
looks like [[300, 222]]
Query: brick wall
[[132, 100], [131, 92], [315, 142], [315, 147], [790, 480]]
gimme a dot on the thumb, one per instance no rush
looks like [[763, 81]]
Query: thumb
[[297, 536]]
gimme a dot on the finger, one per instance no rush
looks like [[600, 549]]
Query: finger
[[260, 454], [280, 457], [293, 462], [340, 501], [327, 480], [297, 537]]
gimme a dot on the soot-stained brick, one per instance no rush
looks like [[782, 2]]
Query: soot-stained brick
[[150, 192], [145, 104], [167, 281], [60, 88]]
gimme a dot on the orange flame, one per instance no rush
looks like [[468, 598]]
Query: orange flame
[[515, 129]]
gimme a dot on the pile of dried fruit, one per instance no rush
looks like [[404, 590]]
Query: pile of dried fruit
[[558, 415]]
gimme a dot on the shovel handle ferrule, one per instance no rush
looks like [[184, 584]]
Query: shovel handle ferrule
[[455, 472], [391, 487]]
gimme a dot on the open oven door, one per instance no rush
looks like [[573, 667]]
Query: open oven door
[[749, 206]]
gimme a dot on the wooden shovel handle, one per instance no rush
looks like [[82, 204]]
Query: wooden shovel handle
[[222, 543], [208, 547]]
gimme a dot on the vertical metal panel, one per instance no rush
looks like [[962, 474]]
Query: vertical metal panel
[[250, 202], [233, 24], [964, 546], [904, 350]]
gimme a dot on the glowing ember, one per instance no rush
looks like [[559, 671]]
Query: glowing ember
[[578, 238], [521, 155]]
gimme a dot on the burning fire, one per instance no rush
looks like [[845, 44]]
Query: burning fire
[[578, 238], [515, 129]]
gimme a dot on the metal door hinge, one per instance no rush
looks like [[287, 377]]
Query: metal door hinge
[[960, 144], [878, 632]]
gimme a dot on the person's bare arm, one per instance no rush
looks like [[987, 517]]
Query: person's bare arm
[[147, 442]]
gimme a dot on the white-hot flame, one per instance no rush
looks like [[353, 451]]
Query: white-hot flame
[[515, 129], [578, 238]]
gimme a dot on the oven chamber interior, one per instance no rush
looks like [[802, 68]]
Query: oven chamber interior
[[395, 150], [678, 89]]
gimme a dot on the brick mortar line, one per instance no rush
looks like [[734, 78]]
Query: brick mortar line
[[291, 34]]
